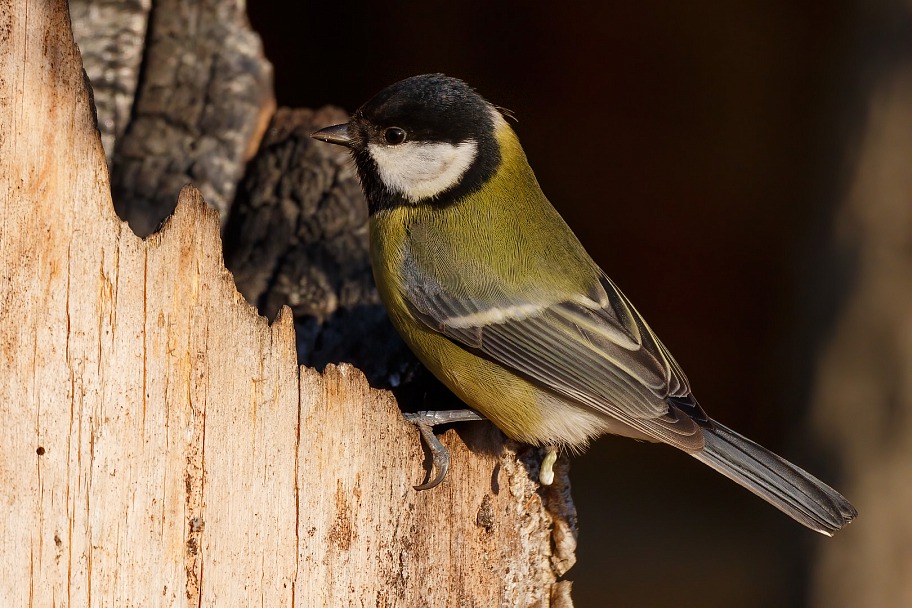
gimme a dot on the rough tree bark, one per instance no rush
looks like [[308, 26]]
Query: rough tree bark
[[111, 36], [202, 104], [297, 237], [161, 446]]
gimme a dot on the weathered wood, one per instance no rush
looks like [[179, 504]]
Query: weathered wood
[[204, 100], [160, 445], [363, 528]]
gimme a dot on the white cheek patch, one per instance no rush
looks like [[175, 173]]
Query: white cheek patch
[[420, 170]]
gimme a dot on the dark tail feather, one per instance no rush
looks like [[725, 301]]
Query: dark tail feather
[[790, 489]]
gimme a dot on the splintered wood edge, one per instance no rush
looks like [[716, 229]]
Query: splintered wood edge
[[156, 416]]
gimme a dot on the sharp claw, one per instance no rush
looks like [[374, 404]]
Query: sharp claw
[[426, 421], [439, 454]]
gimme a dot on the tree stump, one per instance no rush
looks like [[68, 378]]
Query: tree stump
[[160, 444]]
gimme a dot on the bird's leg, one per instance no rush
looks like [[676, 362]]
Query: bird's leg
[[546, 473], [426, 421]]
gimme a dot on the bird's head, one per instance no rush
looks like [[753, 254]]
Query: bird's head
[[426, 139]]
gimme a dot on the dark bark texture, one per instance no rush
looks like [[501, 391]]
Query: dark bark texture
[[297, 236], [204, 96]]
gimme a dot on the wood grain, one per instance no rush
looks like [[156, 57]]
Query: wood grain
[[160, 445]]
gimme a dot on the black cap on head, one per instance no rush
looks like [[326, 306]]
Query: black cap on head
[[430, 107]]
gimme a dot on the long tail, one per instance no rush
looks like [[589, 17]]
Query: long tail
[[790, 489]]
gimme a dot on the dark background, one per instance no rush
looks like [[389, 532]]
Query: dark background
[[698, 150]]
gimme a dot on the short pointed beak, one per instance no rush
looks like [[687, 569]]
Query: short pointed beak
[[336, 134]]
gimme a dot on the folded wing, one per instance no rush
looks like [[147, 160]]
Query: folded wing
[[594, 349]]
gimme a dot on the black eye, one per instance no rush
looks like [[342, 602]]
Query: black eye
[[393, 136]]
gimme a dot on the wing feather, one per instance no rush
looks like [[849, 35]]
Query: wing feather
[[595, 350]]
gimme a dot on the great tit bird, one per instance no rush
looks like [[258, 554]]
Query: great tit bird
[[497, 297]]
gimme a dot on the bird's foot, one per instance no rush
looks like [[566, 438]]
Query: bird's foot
[[440, 456]]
